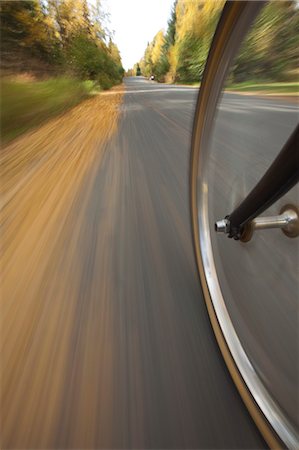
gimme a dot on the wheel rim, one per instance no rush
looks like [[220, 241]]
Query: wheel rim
[[275, 427]]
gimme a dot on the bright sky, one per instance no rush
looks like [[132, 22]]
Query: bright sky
[[135, 23]]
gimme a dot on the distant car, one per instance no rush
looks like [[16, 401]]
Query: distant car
[[152, 77]]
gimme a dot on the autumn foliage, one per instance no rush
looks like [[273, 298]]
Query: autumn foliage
[[270, 53], [57, 37]]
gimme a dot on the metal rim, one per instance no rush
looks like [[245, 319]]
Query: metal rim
[[271, 421]]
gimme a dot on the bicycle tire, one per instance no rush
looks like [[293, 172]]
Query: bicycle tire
[[232, 28]]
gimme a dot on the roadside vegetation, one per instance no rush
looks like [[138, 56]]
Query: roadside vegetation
[[269, 88], [268, 57], [25, 104], [54, 54]]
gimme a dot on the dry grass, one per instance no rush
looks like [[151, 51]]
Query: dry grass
[[26, 102], [42, 176]]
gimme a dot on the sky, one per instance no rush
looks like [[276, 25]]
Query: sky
[[135, 23]]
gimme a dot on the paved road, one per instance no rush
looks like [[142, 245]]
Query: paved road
[[108, 342]]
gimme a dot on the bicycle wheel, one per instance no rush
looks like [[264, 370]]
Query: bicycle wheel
[[265, 402]]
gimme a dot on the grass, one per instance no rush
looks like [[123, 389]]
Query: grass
[[188, 83], [25, 104], [267, 88], [281, 88]]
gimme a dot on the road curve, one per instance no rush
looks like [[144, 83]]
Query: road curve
[[108, 342]]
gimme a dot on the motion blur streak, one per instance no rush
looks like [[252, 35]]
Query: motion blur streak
[[43, 212], [105, 337]]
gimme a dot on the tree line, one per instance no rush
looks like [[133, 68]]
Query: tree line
[[60, 37], [269, 53]]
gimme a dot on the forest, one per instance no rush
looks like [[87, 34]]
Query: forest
[[269, 54], [56, 37], [54, 54]]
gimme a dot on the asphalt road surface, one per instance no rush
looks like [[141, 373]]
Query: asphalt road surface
[[107, 339]]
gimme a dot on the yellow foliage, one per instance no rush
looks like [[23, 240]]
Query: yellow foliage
[[194, 16], [114, 52], [187, 17], [157, 46], [70, 15], [173, 61], [36, 29]]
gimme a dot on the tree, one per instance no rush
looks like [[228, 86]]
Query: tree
[[270, 51], [65, 33], [138, 71], [26, 28], [159, 58], [171, 28], [195, 25]]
